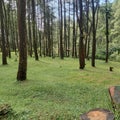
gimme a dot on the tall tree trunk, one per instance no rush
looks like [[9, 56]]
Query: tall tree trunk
[[52, 37], [12, 26], [33, 28], [94, 35], [7, 18], [87, 26], [22, 69], [4, 56], [40, 33], [30, 52], [74, 50], [107, 34], [40, 44], [68, 41], [48, 33], [88, 45], [65, 26], [95, 10], [45, 29], [81, 43], [58, 31], [61, 32]]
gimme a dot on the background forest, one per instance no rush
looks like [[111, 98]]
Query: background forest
[[55, 27]]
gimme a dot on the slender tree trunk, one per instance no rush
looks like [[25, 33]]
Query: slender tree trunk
[[94, 35], [22, 68], [52, 37], [107, 35], [8, 28], [7, 18], [33, 27], [30, 52], [4, 56], [48, 31], [87, 26], [74, 49], [12, 26], [65, 26], [40, 44], [58, 31], [16, 32], [40, 34], [45, 30], [81, 43], [88, 45], [68, 41], [61, 32]]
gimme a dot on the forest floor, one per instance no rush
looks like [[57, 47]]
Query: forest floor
[[56, 89]]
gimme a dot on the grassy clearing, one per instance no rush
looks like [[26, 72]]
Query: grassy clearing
[[56, 89]]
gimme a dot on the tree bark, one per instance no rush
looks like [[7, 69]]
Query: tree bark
[[30, 52], [74, 50], [61, 32], [22, 68], [107, 35], [81, 43], [94, 35], [33, 28], [4, 55], [65, 26]]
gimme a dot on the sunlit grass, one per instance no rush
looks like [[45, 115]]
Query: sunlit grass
[[56, 89]]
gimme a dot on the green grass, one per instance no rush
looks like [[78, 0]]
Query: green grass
[[56, 89]]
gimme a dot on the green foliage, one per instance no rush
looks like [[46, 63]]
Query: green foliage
[[115, 22], [114, 52], [115, 57], [114, 37], [56, 89], [100, 54]]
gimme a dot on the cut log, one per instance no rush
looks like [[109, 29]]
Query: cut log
[[114, 92], [97, 114]]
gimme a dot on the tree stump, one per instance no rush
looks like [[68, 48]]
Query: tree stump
[[114, 92], [97, 114], [111, 69]]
